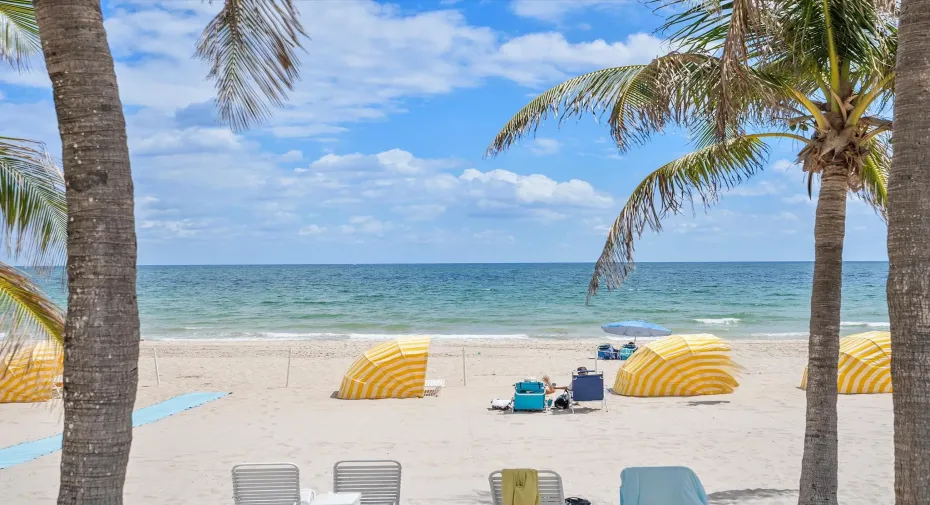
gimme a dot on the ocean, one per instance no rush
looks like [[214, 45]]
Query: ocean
[[258, 302]]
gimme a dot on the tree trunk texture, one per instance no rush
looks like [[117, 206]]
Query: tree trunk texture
[[102, 328], [819, 463], [909, 257]]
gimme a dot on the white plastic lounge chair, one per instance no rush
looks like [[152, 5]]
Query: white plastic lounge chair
[[550, 488], [433, 387], [377, 480], [266, 484]]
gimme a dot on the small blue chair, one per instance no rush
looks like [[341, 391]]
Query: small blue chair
[[588, 387], [661, 485], [529, 396], [607, 352]]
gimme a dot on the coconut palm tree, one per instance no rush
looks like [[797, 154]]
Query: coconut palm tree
[[819, 73], [251, 47], [32, 205], [909, 259]]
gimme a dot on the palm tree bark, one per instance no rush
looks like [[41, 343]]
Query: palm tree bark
[[819, 464], [102, 327], [909, 257]]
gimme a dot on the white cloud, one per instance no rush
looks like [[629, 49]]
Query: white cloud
[[535, 188], [784, 166], [312, 229], [292, 155], [532, 59], [555, 10], [395, 161], [189, 140], [356, 226], [363, 59], [800, 199], [787, 216], [545, 146]]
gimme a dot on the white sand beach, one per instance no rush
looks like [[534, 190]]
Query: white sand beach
[[746, 447]]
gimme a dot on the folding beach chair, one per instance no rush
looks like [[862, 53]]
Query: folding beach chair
[[550, 488], [661, 485], [266, 484], [377, 480], [588, 387], [433, 387]]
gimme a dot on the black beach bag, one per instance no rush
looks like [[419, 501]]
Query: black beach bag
[[576, 501]]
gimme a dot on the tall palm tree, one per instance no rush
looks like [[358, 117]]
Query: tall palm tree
[[251, 46], [909, 258], [818, 72], [32, 205]]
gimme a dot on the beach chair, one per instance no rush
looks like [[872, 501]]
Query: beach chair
[[529, 395], [377, 480], [588, 387], [266, 484], [550, 488], [433, 387], [661, 485]]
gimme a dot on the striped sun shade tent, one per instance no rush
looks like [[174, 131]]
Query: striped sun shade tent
[[865, 364], [679, 365], [29, 373], [395, 369]]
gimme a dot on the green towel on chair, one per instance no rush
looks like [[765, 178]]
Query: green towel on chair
[[520, 486]]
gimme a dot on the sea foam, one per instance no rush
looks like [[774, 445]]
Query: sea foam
[[722, 320]]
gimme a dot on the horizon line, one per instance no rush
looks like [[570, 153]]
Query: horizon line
[[23, 267], [482, 263]]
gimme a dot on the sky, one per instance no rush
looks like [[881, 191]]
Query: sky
[[378, 156]]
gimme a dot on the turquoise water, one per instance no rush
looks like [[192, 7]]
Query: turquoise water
[[733, 300]]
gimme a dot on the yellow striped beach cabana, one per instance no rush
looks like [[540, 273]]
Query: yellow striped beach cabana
[[395, 369], [864, 365], [679, 365], [29, 373]]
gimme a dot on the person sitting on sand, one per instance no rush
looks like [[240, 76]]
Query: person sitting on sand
[[551, 388]]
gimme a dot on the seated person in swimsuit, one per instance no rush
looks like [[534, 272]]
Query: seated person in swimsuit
[[551, 388]]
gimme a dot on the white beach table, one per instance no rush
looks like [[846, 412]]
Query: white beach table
[[335, 499]]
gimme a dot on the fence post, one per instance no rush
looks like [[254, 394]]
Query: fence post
[[157, 378], [287, 380]]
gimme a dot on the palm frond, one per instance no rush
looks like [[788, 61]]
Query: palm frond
[[251, 46], [873, 175], [593, 92], [33, 208], [25, 312], [701, 175], [19, 32]]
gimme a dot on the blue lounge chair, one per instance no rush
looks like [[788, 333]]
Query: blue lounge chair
[[607, 352], [661, 485], [588, 387], [529, 395]]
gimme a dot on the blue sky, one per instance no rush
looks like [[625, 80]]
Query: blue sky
[[378, 158]]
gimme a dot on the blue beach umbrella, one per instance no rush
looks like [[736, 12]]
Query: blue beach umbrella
[[636, 329]]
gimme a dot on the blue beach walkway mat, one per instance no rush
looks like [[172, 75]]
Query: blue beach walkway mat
[[28, 451]]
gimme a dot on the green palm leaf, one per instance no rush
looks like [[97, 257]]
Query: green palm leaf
[[873, 175], [701, 175], [19, 33], [25, 312], [32, 203], [251, 46]]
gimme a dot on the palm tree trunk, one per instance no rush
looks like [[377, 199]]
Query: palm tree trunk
[[909, 257], [102, 328], [819, 463]]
